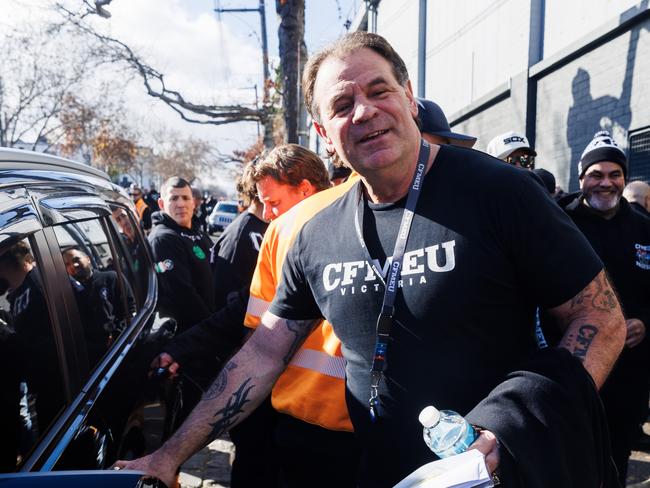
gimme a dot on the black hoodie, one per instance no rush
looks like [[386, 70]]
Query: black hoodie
[[182, 258], [623, 244]]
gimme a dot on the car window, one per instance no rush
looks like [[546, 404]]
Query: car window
[[105, 300], [31, 391], [133, 259], [226, 207]]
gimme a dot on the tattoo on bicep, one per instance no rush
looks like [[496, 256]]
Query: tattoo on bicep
[[599, 293], [300, 331], [221, 381], [585, 337], [229, 414]]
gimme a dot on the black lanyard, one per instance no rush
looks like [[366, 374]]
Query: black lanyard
[[385, 319]]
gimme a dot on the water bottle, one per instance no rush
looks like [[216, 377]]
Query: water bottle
[[446, 432]]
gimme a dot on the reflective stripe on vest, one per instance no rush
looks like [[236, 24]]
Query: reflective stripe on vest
[[320, 361], [256, 306]]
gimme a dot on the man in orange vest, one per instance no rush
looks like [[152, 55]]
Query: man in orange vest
[[144, 212]]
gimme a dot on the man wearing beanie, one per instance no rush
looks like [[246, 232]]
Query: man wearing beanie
[[621, 237]]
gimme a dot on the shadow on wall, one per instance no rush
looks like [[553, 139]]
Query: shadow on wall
[[588, 115]]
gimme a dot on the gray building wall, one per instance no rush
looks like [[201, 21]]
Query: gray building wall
[[607, 88]]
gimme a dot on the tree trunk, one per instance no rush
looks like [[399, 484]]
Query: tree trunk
[[293, 54]]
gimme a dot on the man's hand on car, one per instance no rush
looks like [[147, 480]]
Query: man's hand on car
[[164, 365], [151, 466]]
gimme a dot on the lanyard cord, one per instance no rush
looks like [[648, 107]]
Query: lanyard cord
[[385, 319]]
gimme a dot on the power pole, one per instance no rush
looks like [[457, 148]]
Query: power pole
[[266, 120]]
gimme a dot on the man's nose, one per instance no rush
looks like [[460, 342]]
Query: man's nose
[[268, 212], [363, 111]]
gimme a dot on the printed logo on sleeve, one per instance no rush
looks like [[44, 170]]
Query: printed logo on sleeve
[[164, 266], [642, 256], [198, 252]]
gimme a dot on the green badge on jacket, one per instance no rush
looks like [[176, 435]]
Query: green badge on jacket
[[198, 252]]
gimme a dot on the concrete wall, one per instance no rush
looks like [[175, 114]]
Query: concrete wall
[[606, 88], [469, 52], [568, 21]]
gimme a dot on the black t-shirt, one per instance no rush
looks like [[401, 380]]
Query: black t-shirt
[[487, 245], [234, 255]]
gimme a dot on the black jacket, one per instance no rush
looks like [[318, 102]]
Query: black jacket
[[183, 267], [551, 425], [623, 244]]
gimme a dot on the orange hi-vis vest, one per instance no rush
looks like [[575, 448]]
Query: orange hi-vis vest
[[140, 207], [312, 388]]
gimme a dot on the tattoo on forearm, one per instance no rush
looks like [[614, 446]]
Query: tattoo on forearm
[[221, 381], [300, 332], [585, 337], [600, 293], [229, 414]]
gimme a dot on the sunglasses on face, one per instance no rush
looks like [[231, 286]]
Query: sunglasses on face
[[526, 161]]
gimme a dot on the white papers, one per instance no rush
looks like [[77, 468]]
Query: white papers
[[466, 470]]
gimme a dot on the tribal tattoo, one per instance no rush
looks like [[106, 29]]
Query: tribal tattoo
[[229, 414], [600, 294], [219, 384], [586, 334], [300, 330]]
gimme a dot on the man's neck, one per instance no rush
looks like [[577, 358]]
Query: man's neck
[[391, 185], [256, 209]]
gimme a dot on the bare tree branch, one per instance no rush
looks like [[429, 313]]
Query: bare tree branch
[[156, 87]]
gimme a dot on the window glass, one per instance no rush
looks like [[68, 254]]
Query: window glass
[[31, 387], [105, 301], [226, 207], [133, 261]]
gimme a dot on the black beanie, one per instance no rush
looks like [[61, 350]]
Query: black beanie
[[602, 148]]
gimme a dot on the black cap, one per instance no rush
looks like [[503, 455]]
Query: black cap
[[547, 178], [434, 122]]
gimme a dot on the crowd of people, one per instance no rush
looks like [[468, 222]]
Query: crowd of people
[[418, 271]]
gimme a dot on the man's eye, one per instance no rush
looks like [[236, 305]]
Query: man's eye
[[342, 108]]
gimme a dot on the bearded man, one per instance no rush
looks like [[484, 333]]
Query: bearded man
[[621, 238]]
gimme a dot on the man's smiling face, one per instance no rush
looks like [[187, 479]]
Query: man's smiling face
[[365, 115], [602, 185]]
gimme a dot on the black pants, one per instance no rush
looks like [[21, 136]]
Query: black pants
[[311, 456]]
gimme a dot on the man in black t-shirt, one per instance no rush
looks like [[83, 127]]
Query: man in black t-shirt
[[474, 267]]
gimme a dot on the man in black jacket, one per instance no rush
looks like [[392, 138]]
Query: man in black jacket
[[181, 252], [621, 237]]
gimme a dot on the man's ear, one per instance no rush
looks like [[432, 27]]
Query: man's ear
[[413, 105], [306, 188], [161, 204], [320, 130]]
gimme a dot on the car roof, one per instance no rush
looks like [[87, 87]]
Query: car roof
[[18, 160]]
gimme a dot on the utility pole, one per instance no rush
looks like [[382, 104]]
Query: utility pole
[[268, 130]]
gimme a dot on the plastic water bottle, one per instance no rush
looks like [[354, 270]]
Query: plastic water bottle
[[446, 432]]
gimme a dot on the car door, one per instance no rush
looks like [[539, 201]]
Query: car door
[[112, 334]]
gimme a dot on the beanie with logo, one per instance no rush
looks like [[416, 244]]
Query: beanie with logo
[[602, 148]]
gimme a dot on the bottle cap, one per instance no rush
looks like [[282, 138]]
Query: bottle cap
[[429, 416]]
